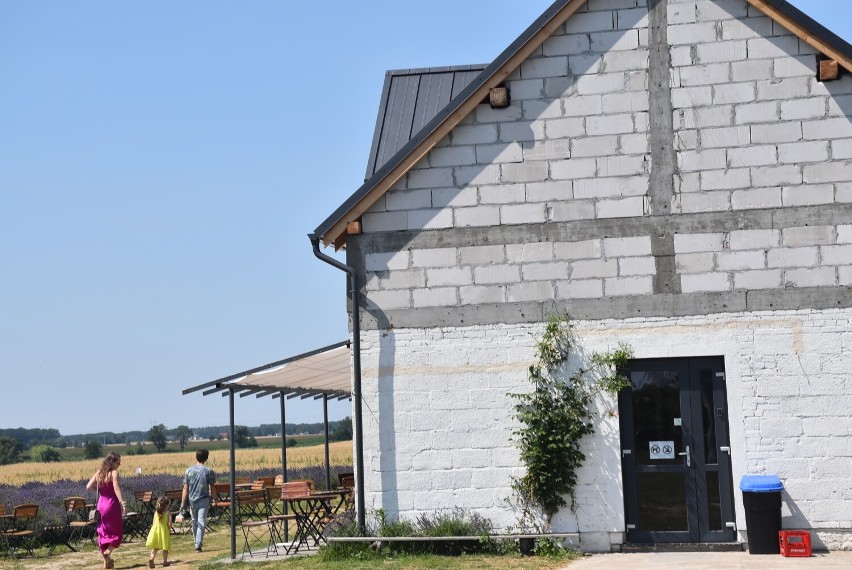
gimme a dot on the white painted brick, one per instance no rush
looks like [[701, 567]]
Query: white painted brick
[[812, 277], [623, 208], [634, 144], [502, 194], [430, 178], [719, 116], [636, 266], [506, 152], [408, 200], [587, 249], [496, 274], [754, 239], [522, 131], [841, 149], [828, 172], [477, 217], [844, 275], [811, 108], [807, 195], [523, 89], [435, 297], [721, 51], [574, 210], [625, 60], [594, 268], [747, 28], [597, 84], [726, 137], [686, 182], [844, 234], [761, 155], [430, 219], [448, 276], [634, 18], [538, 291], [761, 279], [542, 109], [733, 93], [475, 295], [626, 247], [681, 56], [828, 129], [692, 160], [524, 172], [726, 179], [640, 122], [609, 124], [385, 222], [787, 88], [836, 254], [595, 5], [403, 279], [796, 66], [482, 254], [792, 257], [756, 199], [803, 152], [580, 106], [611, 187], [682, 12], [547, 191], [808, 235], [694, 262], [685, 97], [772, 175], [573, 168], [781, 46], [527, 252], [485, 114], [389, 299], [565, 128], [721, 9], [778, 133], [437, 257], [544, 67], [621, 165], [840, 105], [475, 134], [712, 74], [739, 260], [522, 214], [594, 146], [581, 23], [547, 150], [579, 289], [705, 202], [387, 261], [614, 41], [703, 32], [544, 271], [566, 45], [751, 70], [705, 282], [619, 286], [756, 113]]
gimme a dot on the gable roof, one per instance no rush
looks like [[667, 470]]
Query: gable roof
[[382, 175]]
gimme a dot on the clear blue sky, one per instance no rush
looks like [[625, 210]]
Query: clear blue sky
[[160, 166]]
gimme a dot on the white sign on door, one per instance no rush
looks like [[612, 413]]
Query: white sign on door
[[661, 449]]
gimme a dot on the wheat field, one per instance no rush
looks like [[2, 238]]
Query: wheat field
[[340, 453]]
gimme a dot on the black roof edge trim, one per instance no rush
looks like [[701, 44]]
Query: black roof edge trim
[[817, 30], [444, 69], [430, 127], [264, 367]]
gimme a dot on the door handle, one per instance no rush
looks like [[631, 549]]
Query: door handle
[[688, 462]]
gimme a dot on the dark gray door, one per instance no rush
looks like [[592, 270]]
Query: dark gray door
[[675, 451]]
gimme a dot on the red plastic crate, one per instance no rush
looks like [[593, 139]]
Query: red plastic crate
[[795, 542]]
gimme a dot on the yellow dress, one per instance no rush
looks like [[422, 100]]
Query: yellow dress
[[158, 536]]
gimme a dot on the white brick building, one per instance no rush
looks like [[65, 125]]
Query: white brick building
[[676, 175]]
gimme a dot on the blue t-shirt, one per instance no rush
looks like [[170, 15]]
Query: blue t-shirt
[[199, 478]]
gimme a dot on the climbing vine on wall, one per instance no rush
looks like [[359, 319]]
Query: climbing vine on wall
[[555, 416]]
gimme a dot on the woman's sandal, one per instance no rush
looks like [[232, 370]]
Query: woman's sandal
[[166, 564], [110, 563]]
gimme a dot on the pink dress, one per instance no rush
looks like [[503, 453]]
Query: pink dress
[[111, 528]]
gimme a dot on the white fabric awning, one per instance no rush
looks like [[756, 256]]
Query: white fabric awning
[[323, 372]]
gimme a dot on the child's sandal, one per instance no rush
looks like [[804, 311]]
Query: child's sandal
[[150, 563], [166, 564]]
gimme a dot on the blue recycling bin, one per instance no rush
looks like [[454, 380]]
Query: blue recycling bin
[[762, 503]]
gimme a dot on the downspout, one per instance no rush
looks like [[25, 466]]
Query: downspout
[[356, 380]]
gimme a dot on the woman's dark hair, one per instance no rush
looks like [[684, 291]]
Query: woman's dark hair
[[110, 463]]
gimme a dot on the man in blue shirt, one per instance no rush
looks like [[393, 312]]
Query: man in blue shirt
[[198, 482]]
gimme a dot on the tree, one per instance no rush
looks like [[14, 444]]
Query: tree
[[92, 449], [9, 450], [45, 454], [242, 437], [157, 435], [183, 433], [292, 442], [342, 431]]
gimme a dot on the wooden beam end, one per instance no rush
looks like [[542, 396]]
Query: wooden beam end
[[353, 228], [829, 70]]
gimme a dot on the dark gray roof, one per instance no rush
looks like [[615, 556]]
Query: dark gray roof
[[410, 99]]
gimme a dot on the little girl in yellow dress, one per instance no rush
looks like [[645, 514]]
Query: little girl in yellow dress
[[159, 537]]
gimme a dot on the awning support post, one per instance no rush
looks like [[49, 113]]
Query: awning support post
[[325, 424], [233, 476]]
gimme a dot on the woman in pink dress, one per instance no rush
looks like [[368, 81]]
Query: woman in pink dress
[[111, 507]]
